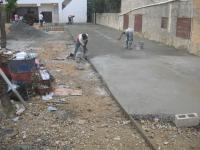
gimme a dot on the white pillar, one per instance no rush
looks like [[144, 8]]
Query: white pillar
[[60, 12]]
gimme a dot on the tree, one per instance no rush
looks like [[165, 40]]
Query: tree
[[10, 5], [5, 101], [106, 6], [102, 6], [112, 6]]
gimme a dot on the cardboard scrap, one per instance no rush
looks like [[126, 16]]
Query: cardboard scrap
[[68, 92]]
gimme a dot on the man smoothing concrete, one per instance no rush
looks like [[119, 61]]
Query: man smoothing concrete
[[81, 41], [129, 37]]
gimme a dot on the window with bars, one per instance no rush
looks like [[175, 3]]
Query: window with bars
[[183, 28], [164, 22]]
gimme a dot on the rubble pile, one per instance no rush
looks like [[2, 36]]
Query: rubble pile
[[26, 74]]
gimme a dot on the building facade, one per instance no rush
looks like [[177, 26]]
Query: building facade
[[166, 21], [195, 38], [172, 22], [54, 11]]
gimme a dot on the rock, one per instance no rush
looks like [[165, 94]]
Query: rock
[[151, 136], [15, 119], [117, 138], [81, 122], [24, 137], [145, 129], [64, 115], [156, 119], [104, 125], [51, 109], [166, 143], [142, 121], [38, 140], [20, 109], [126, 122], [57, 142]]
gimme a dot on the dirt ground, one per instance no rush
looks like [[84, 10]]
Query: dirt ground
[[93, 121]]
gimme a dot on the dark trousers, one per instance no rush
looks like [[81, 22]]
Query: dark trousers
[[77, 45], [41, 23]]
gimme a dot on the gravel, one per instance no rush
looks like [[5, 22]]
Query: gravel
[[23, 31]]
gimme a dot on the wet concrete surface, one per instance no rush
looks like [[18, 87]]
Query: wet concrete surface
[[156, 80]]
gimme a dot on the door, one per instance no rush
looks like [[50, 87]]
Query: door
[[47, 16], [138, 23], [126, 21]]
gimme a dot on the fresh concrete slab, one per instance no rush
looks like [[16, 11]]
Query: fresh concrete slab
[[156, 80], [148, 86]]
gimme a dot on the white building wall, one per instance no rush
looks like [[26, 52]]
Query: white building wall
[[77, 8], [52, 8], [38, 1]]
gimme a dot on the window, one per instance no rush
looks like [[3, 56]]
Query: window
[[183, 28], [164, 22]]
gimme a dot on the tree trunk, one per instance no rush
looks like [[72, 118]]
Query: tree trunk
[[2, 26], [5, 100]]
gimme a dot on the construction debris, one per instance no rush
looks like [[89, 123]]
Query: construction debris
[[20, 70], [60, 91], [51, 108]]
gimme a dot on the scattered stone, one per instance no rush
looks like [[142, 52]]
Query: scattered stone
[[38, 140], [81, 122], [20, 109], [57, 142], [24, 136], [51, 108], [156, 119], [64, 115], [15, 119], [117, 138], [126, 122], [101, 91], [104, 125], [166, 143], [151, 136]]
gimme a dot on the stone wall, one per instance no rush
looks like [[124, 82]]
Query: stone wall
[[152, 20], [109, 19], [195, 48], [173, 33]]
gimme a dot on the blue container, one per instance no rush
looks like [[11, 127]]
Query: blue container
[[22, 66]]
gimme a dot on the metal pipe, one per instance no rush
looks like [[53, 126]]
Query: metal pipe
[[11, 86], [150, 5]]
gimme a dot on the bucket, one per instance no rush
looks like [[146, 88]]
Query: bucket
[[139, 45]]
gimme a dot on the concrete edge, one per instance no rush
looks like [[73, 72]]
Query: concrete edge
[[149, 142], [127, 115]]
